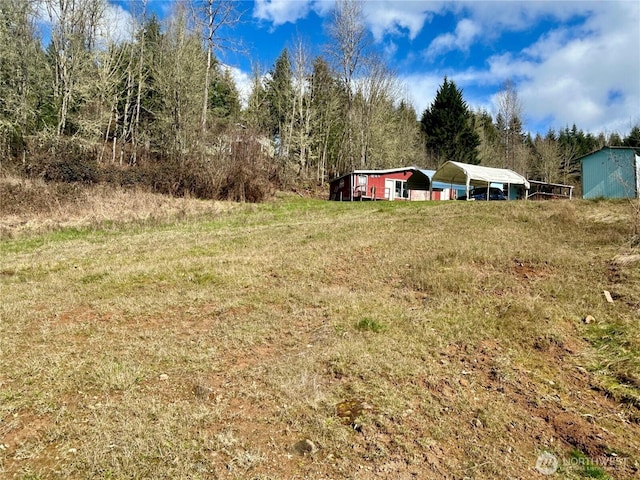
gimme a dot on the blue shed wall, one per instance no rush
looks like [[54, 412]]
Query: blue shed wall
[[610, 173]]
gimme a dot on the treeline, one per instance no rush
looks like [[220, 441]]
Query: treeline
[[553, 157], [155, 107], [453, 132], [152, 108]]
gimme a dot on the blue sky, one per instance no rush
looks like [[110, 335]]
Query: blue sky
[[571, 61]]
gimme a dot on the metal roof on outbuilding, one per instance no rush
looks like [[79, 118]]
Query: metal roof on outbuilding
[[374, 172], [476, 175], [422, 179]]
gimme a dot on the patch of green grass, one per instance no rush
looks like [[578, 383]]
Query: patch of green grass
[[616, 338], [586, 467], [204, 278], [370, 325], [94, 277]]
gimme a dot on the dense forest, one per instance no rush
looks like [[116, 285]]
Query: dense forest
[[158, 108]]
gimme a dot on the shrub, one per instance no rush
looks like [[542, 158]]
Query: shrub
[[247, 172], [63, 160], [72, 170], [26, 196], [235, 165], [236, 168]]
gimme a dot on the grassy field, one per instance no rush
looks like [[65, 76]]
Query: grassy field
[[308, 339]]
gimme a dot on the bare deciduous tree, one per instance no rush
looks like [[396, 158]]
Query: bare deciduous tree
[[546, 163], [377, 91], [349, 42], [135, 130], [73, 36], [22, 75], [300, 124], [510, 110], [217, 14], [179, 85]]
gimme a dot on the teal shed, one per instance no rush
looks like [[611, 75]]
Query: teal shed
[[611, 172]]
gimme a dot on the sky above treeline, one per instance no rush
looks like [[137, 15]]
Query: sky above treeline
[[572, 62]]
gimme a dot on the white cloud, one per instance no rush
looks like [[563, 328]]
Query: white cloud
[[117, 24], [323, 7], [488, 20], [421, 89], [394, 18], [586, 71], [521, 15], [466, 33], [114, 25], [383, 17], [571, 77], [389, 49], [243, 82], [279, 12]]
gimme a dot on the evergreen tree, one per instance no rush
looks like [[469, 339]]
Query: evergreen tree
[[489, 151], [633, 139], [448, 127], [23, 77], [327, 121], [279, 94], [257, 114], [614, 140], [224, 99]]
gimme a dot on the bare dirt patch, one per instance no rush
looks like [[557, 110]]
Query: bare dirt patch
[[527, 270]]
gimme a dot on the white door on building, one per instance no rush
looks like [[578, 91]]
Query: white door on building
[[389, 189]]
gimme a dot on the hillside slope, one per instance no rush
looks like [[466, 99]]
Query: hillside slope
[[310, 339]]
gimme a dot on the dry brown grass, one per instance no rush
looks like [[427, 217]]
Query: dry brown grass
[[213, 346], [34, 206]]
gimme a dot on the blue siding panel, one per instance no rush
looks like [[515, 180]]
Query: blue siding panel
[[610, 173]]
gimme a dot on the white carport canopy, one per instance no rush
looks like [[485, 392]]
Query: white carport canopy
[[477, 176]]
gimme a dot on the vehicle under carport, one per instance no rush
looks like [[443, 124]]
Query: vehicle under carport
[[514, 185]]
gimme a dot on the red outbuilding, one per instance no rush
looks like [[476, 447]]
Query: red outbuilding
[[390, 184]]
